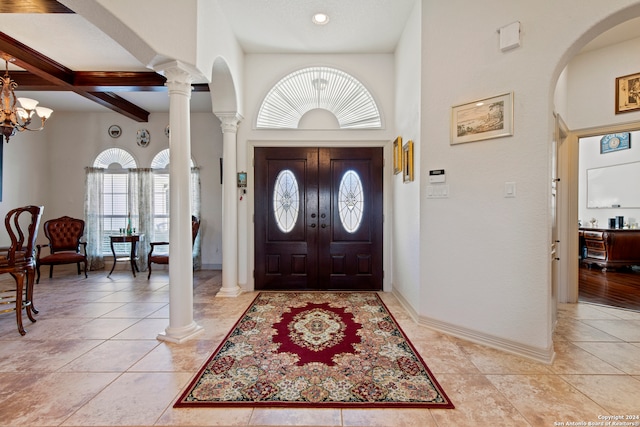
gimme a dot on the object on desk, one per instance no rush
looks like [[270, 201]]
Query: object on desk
[[64, 236], [129, 224]]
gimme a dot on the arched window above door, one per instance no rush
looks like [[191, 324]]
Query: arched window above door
[[319, 88]]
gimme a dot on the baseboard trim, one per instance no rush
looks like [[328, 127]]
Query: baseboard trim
[[537, 354]]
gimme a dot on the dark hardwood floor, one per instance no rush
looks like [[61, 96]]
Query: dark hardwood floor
[[617, 288]]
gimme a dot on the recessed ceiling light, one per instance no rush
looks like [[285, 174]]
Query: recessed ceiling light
[[320, 19]]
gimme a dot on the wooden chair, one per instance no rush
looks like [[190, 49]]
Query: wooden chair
[[64, 236], [164, 258], [18, 260]]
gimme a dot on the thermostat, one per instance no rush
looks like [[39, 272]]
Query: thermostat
[[436, 175]]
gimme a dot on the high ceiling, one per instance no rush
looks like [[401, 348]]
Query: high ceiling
[[261, 26]]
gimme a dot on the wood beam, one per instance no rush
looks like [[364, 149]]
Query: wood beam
[[58, 74], [33, 6], [99, 81], [44, 74]]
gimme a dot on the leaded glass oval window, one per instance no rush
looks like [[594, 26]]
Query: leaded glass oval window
[[350, 201], [286, 200]]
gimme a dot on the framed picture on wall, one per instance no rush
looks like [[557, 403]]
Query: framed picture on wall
[[628, 93], [482, 119], [615, 142], [397, 155], [407, 162]]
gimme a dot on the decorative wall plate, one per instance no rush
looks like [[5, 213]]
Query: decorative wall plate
[[143, 137], [114, 131]]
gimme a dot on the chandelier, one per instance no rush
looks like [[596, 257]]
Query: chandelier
[[14, 118]]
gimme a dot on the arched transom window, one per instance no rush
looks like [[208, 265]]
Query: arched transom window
[[114, 157], [319, 88], [161, 160]]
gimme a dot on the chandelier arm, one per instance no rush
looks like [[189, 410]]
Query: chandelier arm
[[14, 118]]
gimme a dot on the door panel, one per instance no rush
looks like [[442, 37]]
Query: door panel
[[335, 241], [286, 259], [351, 258]]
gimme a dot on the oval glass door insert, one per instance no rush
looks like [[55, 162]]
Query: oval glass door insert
[[286, 200], [350, 201]]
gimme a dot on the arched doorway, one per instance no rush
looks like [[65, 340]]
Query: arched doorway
[[611, 38]]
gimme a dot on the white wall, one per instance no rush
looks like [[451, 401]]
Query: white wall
[[485, 259], [406, 196], [71, 141], [589, 158], [25, 172], [591, 85], [591, 104]]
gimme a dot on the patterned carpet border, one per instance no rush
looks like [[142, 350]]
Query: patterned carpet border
[[315, 350]]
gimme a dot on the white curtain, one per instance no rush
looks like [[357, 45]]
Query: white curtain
[[195, 210], [141, 209], [93, 211]]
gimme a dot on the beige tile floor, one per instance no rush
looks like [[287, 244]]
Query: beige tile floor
[[92, 359]]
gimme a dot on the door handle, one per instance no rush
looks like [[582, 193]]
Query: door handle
[[313, 225], [313, 215], [324, 226]]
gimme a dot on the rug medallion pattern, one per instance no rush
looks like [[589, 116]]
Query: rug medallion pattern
[[315, 349]]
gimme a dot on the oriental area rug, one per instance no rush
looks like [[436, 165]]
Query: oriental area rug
[[314, 350]]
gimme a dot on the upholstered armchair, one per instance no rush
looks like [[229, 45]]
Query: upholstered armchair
[[158, 258], [64, 236], [18, 261]]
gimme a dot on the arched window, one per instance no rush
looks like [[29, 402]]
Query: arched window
[[161, 160], [115, 192], [319, 88], [114, 158]]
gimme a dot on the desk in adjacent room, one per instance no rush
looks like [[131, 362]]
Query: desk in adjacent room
[[133, 239], [611, 248]]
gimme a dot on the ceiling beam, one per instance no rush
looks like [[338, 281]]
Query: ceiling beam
[[44, 74], [98, 81], [57, 74], [33, 6]]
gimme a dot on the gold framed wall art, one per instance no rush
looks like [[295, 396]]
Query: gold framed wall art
[[628, 93], [397, 155], [407, 162]]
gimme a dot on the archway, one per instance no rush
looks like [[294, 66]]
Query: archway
[[604, 35]]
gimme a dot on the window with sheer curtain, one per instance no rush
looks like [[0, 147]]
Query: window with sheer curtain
[[117, 191], [108, 201]]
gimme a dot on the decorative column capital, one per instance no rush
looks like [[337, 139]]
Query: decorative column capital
[[179, 77], [230, 121]]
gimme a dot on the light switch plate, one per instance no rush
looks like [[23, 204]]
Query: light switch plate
[[509, 189]]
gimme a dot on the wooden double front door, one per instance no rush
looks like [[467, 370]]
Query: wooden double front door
[[318, 218]]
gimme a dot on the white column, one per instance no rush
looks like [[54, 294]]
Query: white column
[[181, 324], [230, 196]]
